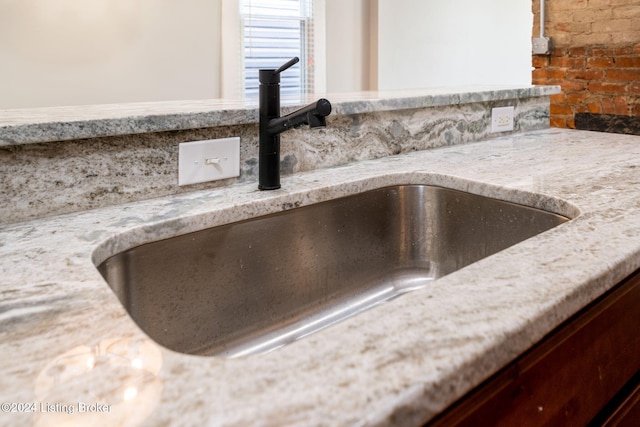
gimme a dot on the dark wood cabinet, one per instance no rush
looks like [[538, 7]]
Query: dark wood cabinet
[[584, 373]]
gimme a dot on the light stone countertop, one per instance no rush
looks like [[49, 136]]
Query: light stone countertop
[[33, 125], [66, 340]]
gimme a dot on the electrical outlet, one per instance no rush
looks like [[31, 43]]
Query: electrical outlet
[[502, 119], [209, 160]]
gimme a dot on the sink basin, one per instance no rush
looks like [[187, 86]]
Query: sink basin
[[255, 285]]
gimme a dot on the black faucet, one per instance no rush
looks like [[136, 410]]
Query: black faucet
[[272, 125]]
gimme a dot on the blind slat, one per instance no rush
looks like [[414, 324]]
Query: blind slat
[[274, 32]]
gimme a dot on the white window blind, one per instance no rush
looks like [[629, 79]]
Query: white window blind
[[274, 31]]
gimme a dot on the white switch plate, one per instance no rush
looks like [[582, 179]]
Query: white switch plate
[[502, 119], [210, 160]]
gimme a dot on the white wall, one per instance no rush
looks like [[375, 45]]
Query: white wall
[[348, 42], [425, 43], [74, 52]]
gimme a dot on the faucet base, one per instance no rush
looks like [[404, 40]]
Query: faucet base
[[269, 164], [269, 187]]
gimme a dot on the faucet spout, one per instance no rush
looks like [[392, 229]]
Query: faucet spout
[[272, 125], [313, 115]]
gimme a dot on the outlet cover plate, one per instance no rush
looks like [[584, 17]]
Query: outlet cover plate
[[502, 119], [209, 160]]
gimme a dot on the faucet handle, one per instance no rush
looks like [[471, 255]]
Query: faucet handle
[[271, 76], [293, 61]]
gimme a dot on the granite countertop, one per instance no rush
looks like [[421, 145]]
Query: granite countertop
[[33, 125], [70, 348]]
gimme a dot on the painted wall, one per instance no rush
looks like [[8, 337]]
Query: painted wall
[[441, 43], [348, 42], [75, 52]]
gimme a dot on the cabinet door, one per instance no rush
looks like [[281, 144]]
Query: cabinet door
[[624, 410], [567, 378]]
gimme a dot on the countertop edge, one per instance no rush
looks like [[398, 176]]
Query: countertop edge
[[37, 125]]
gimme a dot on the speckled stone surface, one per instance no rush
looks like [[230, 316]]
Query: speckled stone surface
[[615, 123], [61, 177], [25, 126], [67, 342]]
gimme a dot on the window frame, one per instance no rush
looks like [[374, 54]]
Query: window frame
[[232, 50]]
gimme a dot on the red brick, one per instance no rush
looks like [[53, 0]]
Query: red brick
[[634, 88], [560, 109], [539, 61], [559, 61], [549, 73], [605, 87], [558, 52], [608, 107], [598, 52], [576, 62], [557, 122], [621, 105], [571, 123], [573, 86], [577, 97], [600, 62], [537, 77], [585, 74], [594, 107], [567, 62], [627, 50], [615, 105], [624, 75], [538, 74], [577, 51], [628, 62], [636, 49]]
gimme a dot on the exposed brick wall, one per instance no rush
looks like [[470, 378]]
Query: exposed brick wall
[[596, 57], [593, 79]]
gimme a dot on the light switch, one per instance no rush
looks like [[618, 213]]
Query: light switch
[[210, 160]]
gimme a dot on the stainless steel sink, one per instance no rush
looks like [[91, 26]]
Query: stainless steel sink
[[255, 285]]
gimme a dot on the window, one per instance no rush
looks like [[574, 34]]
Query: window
[[273, 32]]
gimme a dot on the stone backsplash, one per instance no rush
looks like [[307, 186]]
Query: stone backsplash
[[43, 179]]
